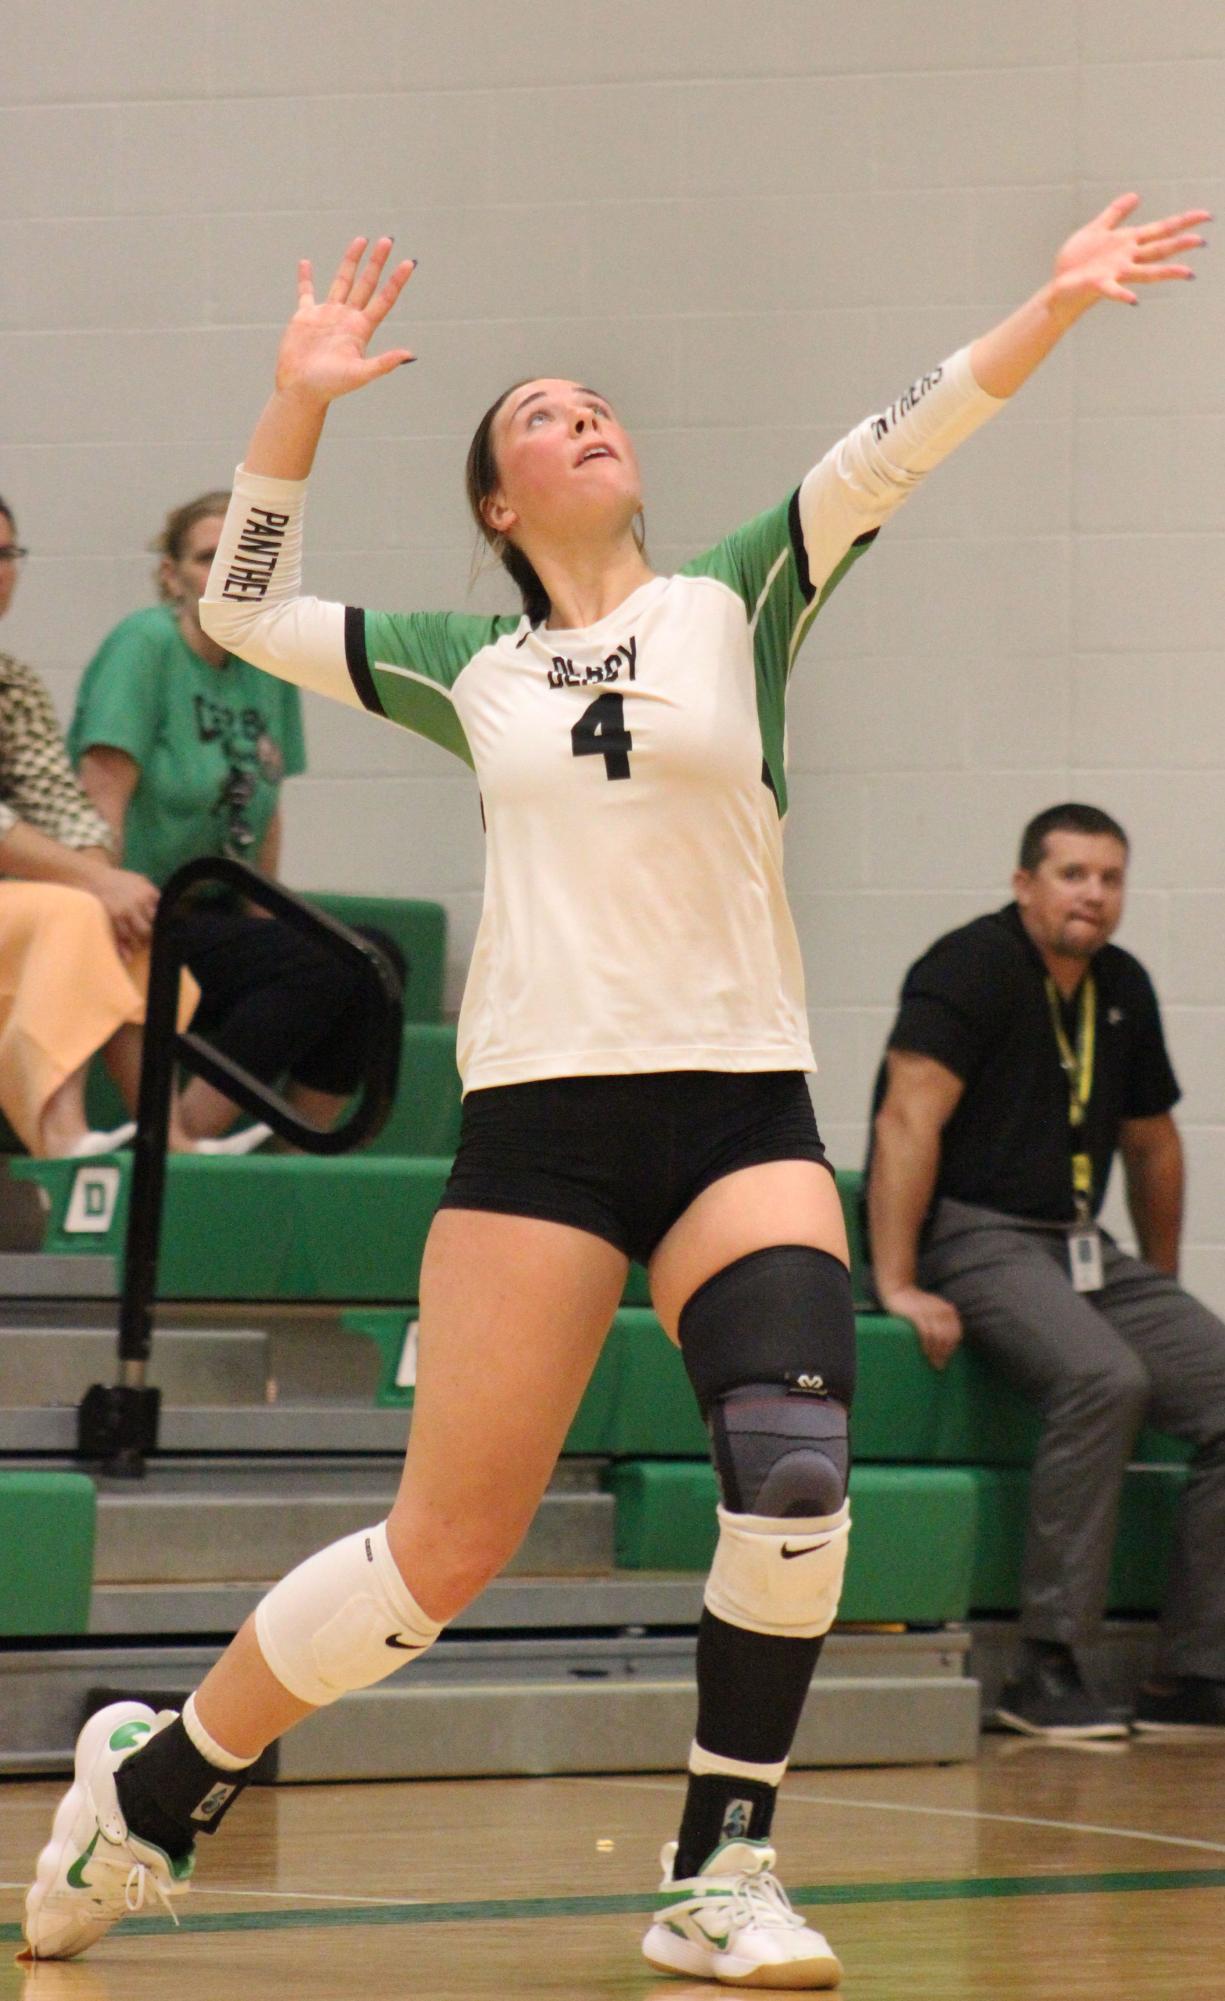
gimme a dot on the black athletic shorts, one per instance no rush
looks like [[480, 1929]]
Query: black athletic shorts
[[623, 1157]]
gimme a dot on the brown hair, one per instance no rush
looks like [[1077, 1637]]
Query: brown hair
[[1070, 818], [480, 479], [8, 514], [177, 527]]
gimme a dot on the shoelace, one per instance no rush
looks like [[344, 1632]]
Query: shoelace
[[139, 1880], [762, 1900]]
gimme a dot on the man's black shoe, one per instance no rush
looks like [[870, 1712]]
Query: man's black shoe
[[1048, 1698], [1188, 1705]]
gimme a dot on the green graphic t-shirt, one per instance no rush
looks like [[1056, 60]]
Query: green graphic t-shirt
[[212, 743]]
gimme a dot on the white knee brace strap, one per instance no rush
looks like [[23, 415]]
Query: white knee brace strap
[[779, 1576], [342, 1620]]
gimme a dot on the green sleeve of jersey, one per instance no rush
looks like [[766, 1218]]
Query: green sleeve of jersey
[[405, 664], [765, 563]]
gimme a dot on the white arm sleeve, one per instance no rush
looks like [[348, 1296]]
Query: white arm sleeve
[[870, 472], [253, 605]]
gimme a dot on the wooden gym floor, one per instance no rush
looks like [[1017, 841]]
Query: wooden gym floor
[[1037, 1874]]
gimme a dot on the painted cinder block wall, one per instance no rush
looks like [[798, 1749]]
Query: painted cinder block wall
[[749, 225]]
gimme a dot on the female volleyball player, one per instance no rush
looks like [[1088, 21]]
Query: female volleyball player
[[633, 1044]]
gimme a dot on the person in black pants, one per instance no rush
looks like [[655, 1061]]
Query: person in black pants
[[281, 1005], [1026, 1050]]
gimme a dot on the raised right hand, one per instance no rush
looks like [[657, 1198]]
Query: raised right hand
[[130, 901], [936, 1320], [323, 349]]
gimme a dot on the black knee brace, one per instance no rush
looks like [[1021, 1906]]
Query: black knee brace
[[769, 1345]]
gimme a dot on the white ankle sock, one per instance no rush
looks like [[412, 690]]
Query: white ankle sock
[[207, 1746]]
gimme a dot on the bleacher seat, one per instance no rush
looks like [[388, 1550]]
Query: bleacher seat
[[47, 1523]]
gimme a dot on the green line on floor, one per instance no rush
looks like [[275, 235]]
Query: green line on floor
[[936, 1889]]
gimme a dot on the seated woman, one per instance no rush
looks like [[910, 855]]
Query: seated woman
[[182, 748], [74, 928]]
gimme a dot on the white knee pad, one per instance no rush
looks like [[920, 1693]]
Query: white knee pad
[[779, 1576], [342, 1620]]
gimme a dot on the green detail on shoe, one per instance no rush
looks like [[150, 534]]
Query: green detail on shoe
[[128, 1736], [75, 1876], [182, 1866]]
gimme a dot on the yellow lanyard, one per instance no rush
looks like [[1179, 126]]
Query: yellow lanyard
[[1078, 1069]]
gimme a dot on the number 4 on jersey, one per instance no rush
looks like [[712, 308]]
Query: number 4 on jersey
[[600, 732]]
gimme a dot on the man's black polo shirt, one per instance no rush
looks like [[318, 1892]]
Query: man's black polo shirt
[[977, 1002]]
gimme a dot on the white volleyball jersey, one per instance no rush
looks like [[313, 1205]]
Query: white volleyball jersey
[[632, 773]]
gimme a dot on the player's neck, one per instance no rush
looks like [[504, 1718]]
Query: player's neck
[[586, 585]]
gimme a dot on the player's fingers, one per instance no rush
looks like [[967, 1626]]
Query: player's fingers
[[306, 282], [379, 307], [1170, 225], [382, 364], [1165, 246], [1158, 275], [1115, 210], [346, 271], [368, 278], [1110, 288]]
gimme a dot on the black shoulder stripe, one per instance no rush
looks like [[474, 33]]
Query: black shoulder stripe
[[797, 546], [357, 660], [767, 779], [862, 541]]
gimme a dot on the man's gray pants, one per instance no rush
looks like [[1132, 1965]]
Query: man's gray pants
[[1097, 1365]]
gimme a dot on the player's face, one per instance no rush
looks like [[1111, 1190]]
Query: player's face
[[564, 463], [186, 575], [1073, 900]]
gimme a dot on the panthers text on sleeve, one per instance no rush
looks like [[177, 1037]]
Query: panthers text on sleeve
[[632, 773]]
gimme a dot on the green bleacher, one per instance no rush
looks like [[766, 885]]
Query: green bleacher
[[47, 1523], [941, 1459]]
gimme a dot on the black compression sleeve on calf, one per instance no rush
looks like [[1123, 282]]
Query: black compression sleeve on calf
[[169, 1793], [751, 1691]]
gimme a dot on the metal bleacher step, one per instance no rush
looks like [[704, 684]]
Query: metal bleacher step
[[540, 1703], [621, 1601], [57, 1364], [288, 1427], [36, 1274], [202, 1521]]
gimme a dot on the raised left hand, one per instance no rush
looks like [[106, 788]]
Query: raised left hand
[[1105, 259]]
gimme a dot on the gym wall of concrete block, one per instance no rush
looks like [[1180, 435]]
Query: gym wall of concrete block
[[750, 225]]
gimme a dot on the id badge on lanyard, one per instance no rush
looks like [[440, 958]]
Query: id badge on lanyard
[[1084, 1239]]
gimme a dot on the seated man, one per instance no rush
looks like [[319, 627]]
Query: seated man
[[1026, 1050]]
